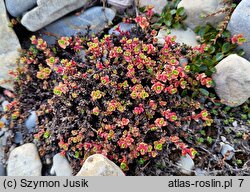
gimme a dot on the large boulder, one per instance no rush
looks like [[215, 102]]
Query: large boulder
[[240, 24], [24, 161], [197, 9], [99, 165], [158, 4], [18, 7], [49, 11], [232, 79], [9, 46], [187, 37], [93, 21]]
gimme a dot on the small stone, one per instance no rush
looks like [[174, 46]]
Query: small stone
[[30, 123], [18, 7], [124, 27], [49, 11], [99, 165], [24, 161], [227, 150], [2, 170], [235, 124], [18, 139], [197, 9], [223, 139], [186, 164], [200, 172], [61, 166], [240, 24], [9, 46], [95, 18], [4, 105], [187, 37], [232, 80], [158, 4]]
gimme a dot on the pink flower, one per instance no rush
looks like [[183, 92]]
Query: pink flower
[[158, 87], [142, 148], [238, 39], [142, 21], [125, 121], [160, 122]]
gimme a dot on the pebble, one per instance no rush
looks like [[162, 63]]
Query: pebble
[[240, 24], [18, 7], [61, 166], [197, 9], [187, 37], [232, 80], [225, 148], [24, 161], [9, 46], [186, 164], [96, 18], [49, 11], [99, 165], [30, 123]]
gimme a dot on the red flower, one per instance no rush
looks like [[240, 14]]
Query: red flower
[[142, 148], [124, 121], [174, 139], [160, 122], [158, 87], [238, 39], [142, 21]]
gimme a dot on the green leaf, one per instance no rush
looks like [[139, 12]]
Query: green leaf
[[168, 23], [241, 52], [226, 47], [177, 25], [173, 11], [219, 56], [204, 92], [180, 11]]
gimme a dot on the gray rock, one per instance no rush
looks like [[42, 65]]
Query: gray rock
[[227, 150], [96, 18], [99, 165], [187, 37], [5, 133], [9, 46], [18, 7], [200, 172], [18, 139], [186, 164], [61, 166], [232, 80], [240, 24], [158, 4], [24, 161], [30, 123], [49, 11], [2, 170], [4, 105], [197, 9], [120, 3], [124, 27]]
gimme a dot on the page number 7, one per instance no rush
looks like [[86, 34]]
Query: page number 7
[[241, 181]]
